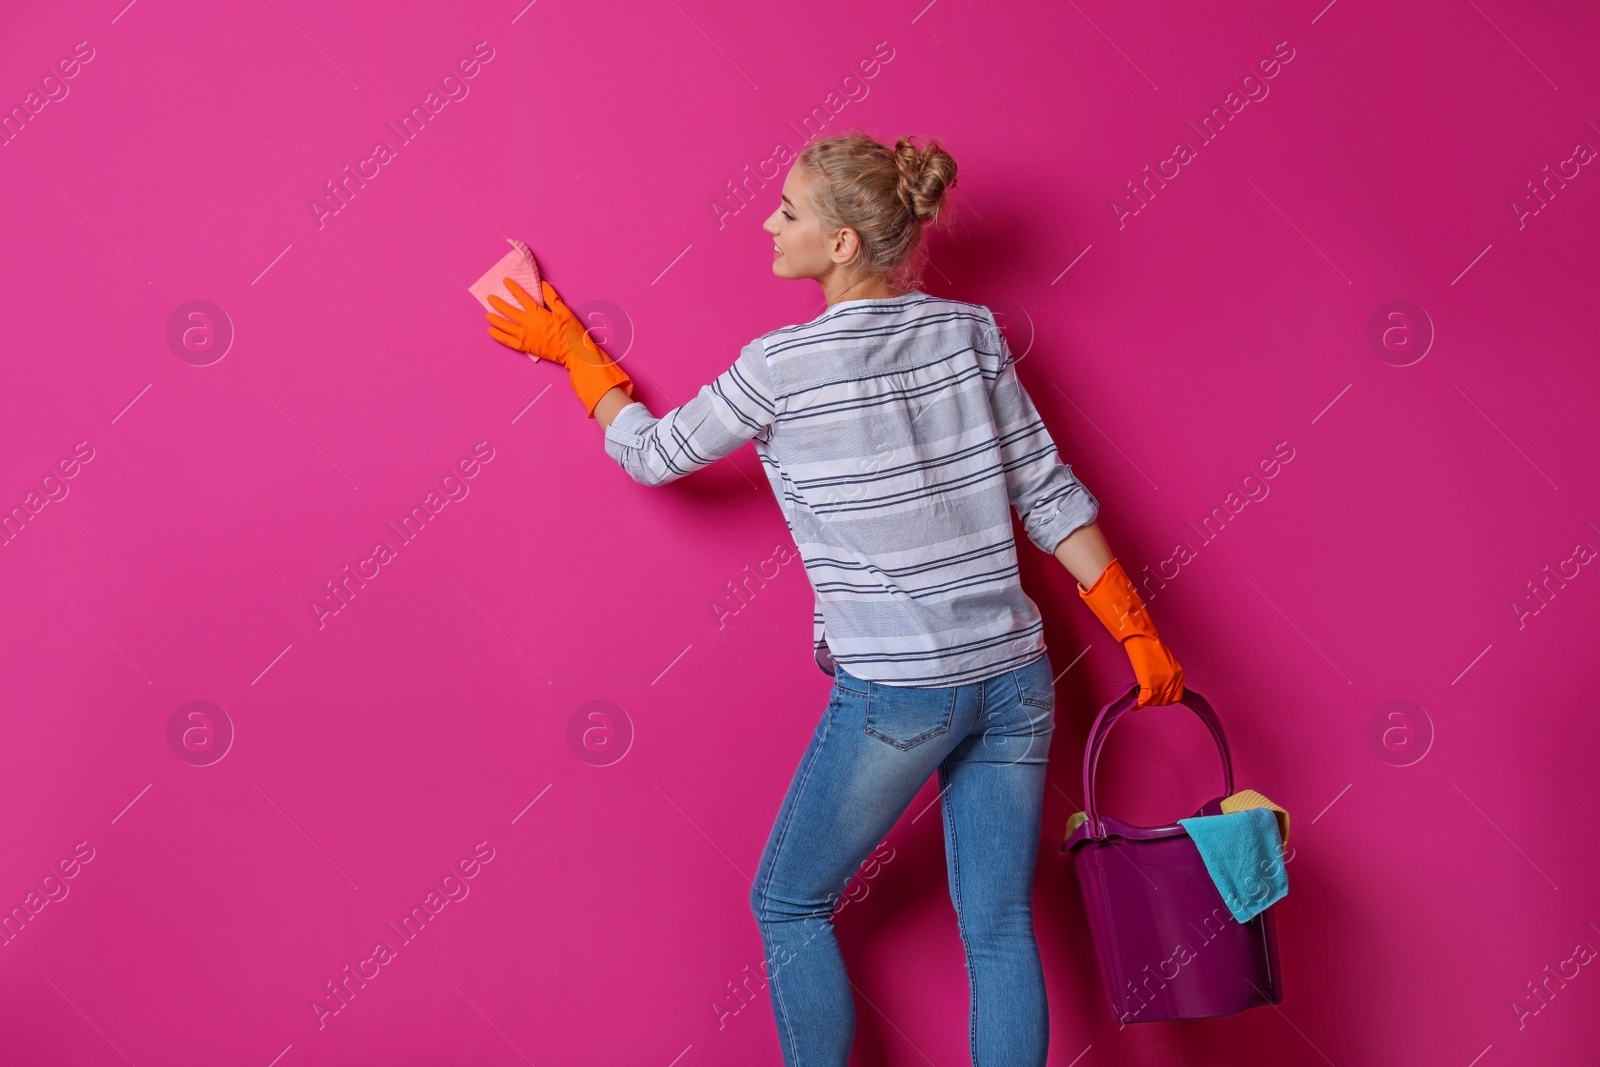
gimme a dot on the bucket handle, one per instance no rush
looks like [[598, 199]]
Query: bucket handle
[[1108, 718]]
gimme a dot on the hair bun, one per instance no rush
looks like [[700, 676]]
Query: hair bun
[[925, 174]]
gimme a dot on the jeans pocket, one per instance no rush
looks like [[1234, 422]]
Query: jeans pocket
[[1034, 684], [906, 716]]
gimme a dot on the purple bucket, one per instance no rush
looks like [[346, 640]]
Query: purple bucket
[[1168, 946]]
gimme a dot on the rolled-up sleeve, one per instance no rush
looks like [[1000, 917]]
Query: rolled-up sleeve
[[1047, 496], [735, 407]]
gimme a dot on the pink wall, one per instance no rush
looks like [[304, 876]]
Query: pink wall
[[1174, 349]]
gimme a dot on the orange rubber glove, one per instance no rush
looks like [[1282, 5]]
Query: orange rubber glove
[[554, 333], [1116, 603]]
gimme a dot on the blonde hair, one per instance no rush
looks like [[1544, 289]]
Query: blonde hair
[[887, 195]]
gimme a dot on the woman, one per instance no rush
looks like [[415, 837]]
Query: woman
[[897, 439]]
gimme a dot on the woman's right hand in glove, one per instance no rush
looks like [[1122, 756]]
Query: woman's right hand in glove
[[553, 332]]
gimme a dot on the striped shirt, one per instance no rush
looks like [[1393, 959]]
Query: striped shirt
[[897, 438]]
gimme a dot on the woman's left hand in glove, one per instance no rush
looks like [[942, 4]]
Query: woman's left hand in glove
[[1117, 604]]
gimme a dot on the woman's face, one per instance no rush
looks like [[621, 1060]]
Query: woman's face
[[802, 250]]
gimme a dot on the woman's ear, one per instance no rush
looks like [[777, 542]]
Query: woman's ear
[[845, 243]]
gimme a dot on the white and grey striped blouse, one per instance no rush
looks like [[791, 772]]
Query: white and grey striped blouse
[[897, 438]]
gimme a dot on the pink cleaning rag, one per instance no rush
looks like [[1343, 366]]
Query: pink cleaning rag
[[518, 264]]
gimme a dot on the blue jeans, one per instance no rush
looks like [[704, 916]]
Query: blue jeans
[[870, 754]]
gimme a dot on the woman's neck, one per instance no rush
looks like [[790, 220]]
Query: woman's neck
[[874, 289]]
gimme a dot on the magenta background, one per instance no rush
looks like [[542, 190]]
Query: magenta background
[[433, 709]]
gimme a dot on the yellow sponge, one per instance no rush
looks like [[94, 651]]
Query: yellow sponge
[[1249, 798]]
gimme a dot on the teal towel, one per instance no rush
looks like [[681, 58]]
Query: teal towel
[[1244, 855]]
